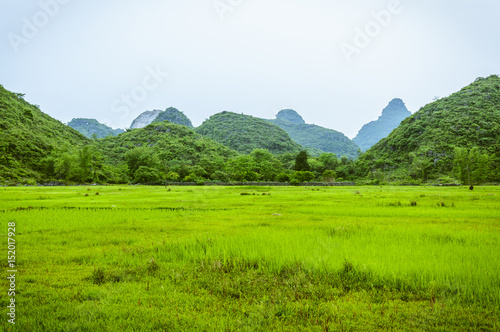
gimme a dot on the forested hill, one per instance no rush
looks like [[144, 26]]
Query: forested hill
[[175, 116], [315, 137], [170, 114], [390, 119], [462, 128], [165, 144], [27, 135], [244, 133], [89, 127]]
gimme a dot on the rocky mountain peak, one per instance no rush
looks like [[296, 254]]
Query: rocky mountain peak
[[396, 108], [290, 115], [144, 119]]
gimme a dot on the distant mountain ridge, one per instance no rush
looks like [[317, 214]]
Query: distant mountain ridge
[[244, 133], [174, 146], [425, 142], [314, 137], [171, 114], [89, 127], [390, 119]]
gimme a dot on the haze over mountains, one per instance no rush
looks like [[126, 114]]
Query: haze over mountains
[[313, 137], [170, 114], [462, 128], [90, 127], [457, 137], [390, 119]]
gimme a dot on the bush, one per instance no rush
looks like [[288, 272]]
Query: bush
[[190, 178], [252, 176], [173, 176], [447, 180], [329, 176], [304, 176], [219, 176], [146, 174], [283, 177]]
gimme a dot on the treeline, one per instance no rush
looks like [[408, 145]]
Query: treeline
[[143, 165], [453, 140]]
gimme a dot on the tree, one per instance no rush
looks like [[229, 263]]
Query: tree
[[239, 166], [142, 156], [329, 176], [265, 164], [65, 166], [304, 176], [90, 162], [145, 174], [420, 166], [219, 176], [329, 161], [346, 169], [301, 164], [172, 176], [283, 177], [471, 166]]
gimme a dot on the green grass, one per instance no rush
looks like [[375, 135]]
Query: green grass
[[287, 258]]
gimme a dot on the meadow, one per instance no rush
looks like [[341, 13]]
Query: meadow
[[136, 258]]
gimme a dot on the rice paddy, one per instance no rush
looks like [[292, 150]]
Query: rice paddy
[[133, 258]]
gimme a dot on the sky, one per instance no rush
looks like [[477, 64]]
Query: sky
[[338, 63]]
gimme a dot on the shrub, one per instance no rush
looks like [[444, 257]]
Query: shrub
[[219, 176], [190, 178], [173, 176], [283, 177], [329, 176], [305, 176], [145, 174]]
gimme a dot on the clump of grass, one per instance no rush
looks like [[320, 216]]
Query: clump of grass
[[152, 266], [98, 276]]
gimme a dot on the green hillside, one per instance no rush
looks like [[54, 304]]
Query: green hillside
[[245, 133], [314, 137], [453, 136], [165, 144], [170, 114], [27, 136], [390, 119], [89, 127], [175, 116]]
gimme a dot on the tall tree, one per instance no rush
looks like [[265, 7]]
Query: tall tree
[[301, 164], [471, 166]]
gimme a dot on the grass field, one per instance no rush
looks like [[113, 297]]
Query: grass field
[[131, 258]]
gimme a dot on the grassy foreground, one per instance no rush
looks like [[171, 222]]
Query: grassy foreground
[[123, 258]]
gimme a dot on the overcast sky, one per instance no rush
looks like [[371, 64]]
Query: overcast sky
[[338, 63]]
